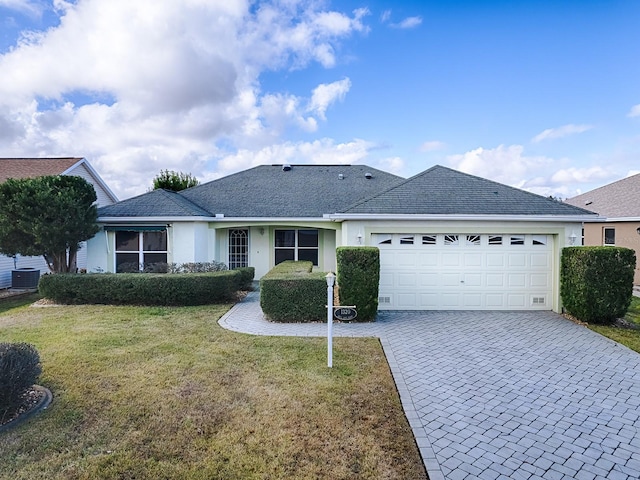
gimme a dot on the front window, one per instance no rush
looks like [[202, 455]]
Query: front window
[[296, 245], [136, 251], [609, 236]]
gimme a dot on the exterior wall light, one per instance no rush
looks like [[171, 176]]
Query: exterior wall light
[[572, 238], [359, 238]]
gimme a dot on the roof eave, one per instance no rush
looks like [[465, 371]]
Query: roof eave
[[460, 217], [135, 220]]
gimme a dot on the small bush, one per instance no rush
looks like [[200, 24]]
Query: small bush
[[247, 275], [596, 283], [359, 279], [19, 370], [290, 292], [141, 288]]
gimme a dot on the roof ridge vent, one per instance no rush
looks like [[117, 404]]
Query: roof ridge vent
[[286, 167], [368, 175], [340, 176]]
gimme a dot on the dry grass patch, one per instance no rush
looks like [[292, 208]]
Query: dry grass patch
[[165, 393]]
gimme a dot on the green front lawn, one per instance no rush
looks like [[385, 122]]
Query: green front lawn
[[165, 393], [628, 337]]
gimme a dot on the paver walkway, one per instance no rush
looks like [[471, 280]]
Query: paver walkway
[[501, 395]]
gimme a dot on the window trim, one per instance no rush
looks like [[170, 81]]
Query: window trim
[[241, 234], [296, 247], [140, 250], [604, 236]]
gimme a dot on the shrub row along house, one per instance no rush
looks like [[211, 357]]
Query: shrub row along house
[[20, 168], [447, 240]]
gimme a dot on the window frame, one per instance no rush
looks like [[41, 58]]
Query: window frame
[[238, 240], [296, 248], [604, 236], [140, 251]]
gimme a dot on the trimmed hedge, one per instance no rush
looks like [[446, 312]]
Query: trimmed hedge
[[19, 370], [142, 288], [596, 283], [359, 279], [291, 292]]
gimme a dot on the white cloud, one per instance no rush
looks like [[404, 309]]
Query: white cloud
[[538, 174], [504, 164], [407, 23], [323, 151], [635, 111], [385, 16], [432, 146], [326, 94], [580, 175], [395, 165], [140, 86], [560, 132]]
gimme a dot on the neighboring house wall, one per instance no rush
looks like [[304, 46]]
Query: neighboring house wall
[[7, 265], [104, 198], [625, 235]]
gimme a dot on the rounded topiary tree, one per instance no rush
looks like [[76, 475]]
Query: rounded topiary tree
[[596, 283], [19, 370]]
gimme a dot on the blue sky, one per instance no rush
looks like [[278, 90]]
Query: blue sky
[[542, 95]]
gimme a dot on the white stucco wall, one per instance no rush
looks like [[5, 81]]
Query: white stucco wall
[[188, 242]]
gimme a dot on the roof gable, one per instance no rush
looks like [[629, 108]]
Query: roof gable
[[35, 167], [616, 200], [294, 191], [443, 191], [157, 203]]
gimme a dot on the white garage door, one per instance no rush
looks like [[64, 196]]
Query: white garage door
[[465, 272]]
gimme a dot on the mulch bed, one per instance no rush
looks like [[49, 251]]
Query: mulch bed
[[30, 400]]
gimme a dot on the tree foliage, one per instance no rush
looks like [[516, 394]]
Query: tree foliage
[[174, 181], [47, 216]]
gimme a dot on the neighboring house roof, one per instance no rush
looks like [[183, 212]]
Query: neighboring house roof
[[266, 191], [616, 200], [34, 167], [157, 203], [37, 167], [443, 191]]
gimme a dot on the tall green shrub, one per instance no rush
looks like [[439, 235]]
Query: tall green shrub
[[19, 370], [596, 283], [358, 279]]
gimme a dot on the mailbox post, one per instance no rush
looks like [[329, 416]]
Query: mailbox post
[[331, 280]]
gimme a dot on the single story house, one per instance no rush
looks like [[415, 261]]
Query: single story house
[[619, 205], [447, 240], [36, 167]]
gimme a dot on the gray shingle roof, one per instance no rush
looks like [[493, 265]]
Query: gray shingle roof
[[616, 200], [443, 191], [157, 203], [268, 191]]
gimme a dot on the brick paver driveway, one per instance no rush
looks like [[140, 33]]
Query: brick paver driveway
[[501, 395]]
